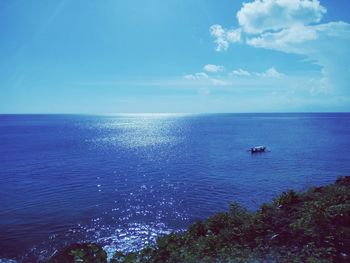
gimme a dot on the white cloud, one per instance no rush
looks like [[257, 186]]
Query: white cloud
[[213, 68], [240, 72], [270, 73], [303, 39], [265, 15], [286, 40], [223, 37]]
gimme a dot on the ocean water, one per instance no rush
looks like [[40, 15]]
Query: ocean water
[[123, 180]]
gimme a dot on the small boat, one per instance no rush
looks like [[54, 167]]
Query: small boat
[[258, 149]]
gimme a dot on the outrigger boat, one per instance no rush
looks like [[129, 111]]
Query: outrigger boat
[[258, 149]]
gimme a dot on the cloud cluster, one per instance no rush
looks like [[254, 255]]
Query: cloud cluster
[[203, 80], [294, 26], [223, 37], [276, 24]]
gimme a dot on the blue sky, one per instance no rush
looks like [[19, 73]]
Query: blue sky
[[65, 56]]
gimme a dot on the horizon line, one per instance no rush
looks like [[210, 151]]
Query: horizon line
[[174, 113]]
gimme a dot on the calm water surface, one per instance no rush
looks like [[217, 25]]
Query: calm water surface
[[122, 180]]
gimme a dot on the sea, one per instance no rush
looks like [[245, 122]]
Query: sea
[[123, 180]]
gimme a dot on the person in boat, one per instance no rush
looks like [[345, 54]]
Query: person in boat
[[258, 149]]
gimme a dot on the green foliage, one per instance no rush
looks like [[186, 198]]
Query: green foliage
[[287, 199], [313, 226], [75, 253], [197, 230]]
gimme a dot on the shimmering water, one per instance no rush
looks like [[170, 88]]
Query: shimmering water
[[122, 180]]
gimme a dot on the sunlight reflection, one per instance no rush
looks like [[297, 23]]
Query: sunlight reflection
[[141, 130]]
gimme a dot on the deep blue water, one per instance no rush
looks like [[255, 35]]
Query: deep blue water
[[122, 180]]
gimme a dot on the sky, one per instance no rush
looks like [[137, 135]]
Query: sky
[[178, 56]]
